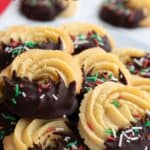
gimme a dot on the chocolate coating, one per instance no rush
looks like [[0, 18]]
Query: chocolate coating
[[7, 123], [68, 140], [140, 143], [117, 13], [8, 52], [39, 100], [140, 66], [42, 10], [90, 40]]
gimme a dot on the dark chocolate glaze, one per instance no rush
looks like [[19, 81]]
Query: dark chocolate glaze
[[9, 51], [62, 143], [140, 144], [91, 40], [117, 13], [39, 100], [140, 66], [42, 10], [7, 123]]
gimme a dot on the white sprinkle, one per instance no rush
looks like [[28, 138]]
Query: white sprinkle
[[124, 134], [67, 138], [24, 94], [114, 133], [146, 148], [55, 97], [134, 138], [120, 140], [74, 147], [59, 129], [42, 96], [148, 112], [26, 48], [137, 128], [128, 141], [64, 116], [129, 131]]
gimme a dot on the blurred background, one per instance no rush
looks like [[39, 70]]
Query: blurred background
[[87, 12]]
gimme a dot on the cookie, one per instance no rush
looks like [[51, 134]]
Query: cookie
[[19, 39], [39, 134], [86, 36], [100, 67], [46, 10], [125, 13], [138, 63], [41, 82], [110, 108]]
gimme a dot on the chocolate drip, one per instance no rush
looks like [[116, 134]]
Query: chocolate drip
[[138, 139], [39, 100], [118, 14], [8, 52], [42, 10]]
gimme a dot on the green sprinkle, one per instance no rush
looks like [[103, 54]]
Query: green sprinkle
[[14, 101], [103, 79], [30, 44], [116, 103], [87, 89], [147, 124], [2, 134], [110, 75], [8, 117], [17, 51], [136, 131], [132, 69], [17, 91], [109, 131], [69, 145], [81, 37], [92, 78]]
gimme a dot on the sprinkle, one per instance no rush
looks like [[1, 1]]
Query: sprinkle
[[116, 103], [54, 97], [120, 140], [50, 130], [67, 138], [42, 96], [14, 101], [30, 44], [24, 94], [132, 69], [69, 145], [17, 91], [8, 117], [64, 116], [109, 131], [147, 124], [128, 141], [137, 128], [134, 138], [110, 138], [114, 133], [146, 148], [81, 37], [92, 78], [59, 129]]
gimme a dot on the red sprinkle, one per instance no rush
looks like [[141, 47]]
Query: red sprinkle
[[96, 42], [146, 63], [137, 116], [99, 82], [50, 130], [80, 147], [89, 125], [110, 138]]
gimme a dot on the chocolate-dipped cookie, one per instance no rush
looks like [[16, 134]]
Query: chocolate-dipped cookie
[[45, 10], [138, 63], [126, 13], [85, 36], [17, 40], [43, 135], [116, 118], [100, 67], [39, 88]]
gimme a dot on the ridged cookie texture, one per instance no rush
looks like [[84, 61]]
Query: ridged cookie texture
[[18, 39], [42, 134], [99, 67], [110, 107], [138, 63], [39, 82], [86, 36]]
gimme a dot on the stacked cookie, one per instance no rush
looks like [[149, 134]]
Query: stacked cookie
[[60, 89]]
